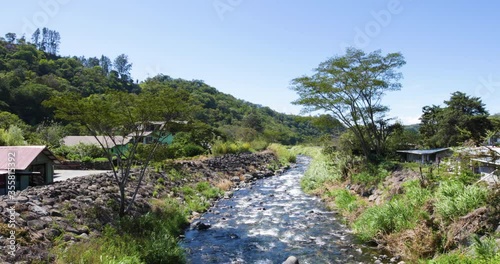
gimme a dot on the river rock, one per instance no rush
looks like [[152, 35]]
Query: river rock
[[201, 226], [235, 179], [291, 260], [248, 177]]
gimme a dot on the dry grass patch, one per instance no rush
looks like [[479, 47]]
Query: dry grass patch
[[224, 185], [412, 244]]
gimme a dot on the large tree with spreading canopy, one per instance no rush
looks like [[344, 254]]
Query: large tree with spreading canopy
[[351, 87]]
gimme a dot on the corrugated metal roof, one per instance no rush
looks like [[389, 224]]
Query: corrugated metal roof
[[91, 140], [422, 151], [22, 156]]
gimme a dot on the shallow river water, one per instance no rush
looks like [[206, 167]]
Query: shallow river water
[[270, 220]]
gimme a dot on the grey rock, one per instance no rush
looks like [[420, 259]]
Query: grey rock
[[21, 199], [36, 224], [291, 260], [38, 209], [235, 179]]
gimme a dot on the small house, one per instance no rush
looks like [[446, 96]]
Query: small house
[[31, 166], [424, 155], [115, 144]]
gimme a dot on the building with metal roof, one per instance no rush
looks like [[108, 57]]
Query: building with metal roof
[[424, 155], [31, 166]]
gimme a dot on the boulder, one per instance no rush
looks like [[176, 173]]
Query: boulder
[[291, 260]]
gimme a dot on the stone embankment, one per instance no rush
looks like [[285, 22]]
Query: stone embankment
[[79, 208]]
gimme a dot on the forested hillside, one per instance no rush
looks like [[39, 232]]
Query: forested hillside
[[31, 72]]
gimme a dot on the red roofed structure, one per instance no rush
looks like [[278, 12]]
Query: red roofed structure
[[31, 165]]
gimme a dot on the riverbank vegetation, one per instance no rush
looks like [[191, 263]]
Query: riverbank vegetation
[[438, 212]]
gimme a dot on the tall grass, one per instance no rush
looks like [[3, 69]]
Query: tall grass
[[391, 217], [221, 148], [345, 200], [454, 198], [284, 155], [322, 168], [198, 197], [482, 251], [401, 213]]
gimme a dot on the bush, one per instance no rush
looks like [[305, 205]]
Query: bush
[[371, 175], [191, 150], [80, 152]]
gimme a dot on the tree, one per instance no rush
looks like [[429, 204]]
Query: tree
[[12, 136], [105, 64], [351, 87], [50, 41], [10, 37], [431, 116], [122, 66], [35, 38], [49, 133], [121, 118], [463, 118]]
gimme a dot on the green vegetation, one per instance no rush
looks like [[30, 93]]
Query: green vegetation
[[320, 170], [198, 197], [455, 199], [464, 118], [151, 238], [285, 156], [221, 148], [350, 87]]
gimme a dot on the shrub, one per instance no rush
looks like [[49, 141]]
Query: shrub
[[370, 175], [191, 150], [258, 144]]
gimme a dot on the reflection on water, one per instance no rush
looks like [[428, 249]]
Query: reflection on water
[[269, 221]]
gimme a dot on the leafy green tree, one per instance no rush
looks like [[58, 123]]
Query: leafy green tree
[[122, 118], [462, 119], [50, 134], [28, 100], [12, 136], [350, 87], [122, 66], [106, 64], [8, 119]]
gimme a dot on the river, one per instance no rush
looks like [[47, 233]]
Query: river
[[269, 220]]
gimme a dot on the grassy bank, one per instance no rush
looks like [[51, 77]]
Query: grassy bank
[[433, 216]]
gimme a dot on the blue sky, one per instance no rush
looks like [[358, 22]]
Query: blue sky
[[253, 49]]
